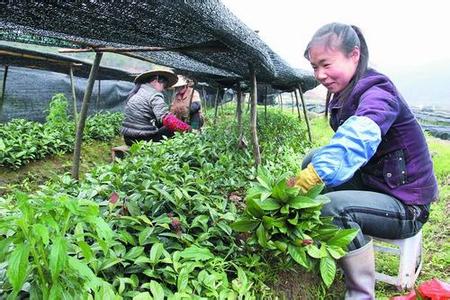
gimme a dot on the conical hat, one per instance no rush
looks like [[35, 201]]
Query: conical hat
[[169, 74]]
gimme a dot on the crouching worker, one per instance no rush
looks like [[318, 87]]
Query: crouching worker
[[187, 104], [377, 169], [147, 116]]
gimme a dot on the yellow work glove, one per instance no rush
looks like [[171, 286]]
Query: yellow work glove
[[306, 179]]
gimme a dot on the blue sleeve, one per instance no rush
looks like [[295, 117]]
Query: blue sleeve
[[351, 147]]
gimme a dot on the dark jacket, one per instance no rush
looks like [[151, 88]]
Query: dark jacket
[[144, 112]]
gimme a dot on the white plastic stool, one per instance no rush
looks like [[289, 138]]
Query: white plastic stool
[[410, 252]]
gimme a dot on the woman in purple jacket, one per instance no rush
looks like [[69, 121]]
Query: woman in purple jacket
[[377, 169]]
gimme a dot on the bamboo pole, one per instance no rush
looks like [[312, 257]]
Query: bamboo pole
[[327, 103], [216, 106], [253, 116], [281, 101], [298, 108], [239, 115], [74, 96], [292, 103], [204, 99], [265, 103], [83, 115], [190, 103], [304, 111], [5, 75], [98, 96]]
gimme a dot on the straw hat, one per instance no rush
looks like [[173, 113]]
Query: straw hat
[[169, 74], [183, 80]]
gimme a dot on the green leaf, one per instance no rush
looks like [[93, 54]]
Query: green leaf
[[196, 253], [335, 252], [18, 267], [58, 257], [285, 209], [303, 202], [102, 228], [261, 234], [269, 204], [4, 247], [156, 252], [254, 209], [157, 290], [86, 250], [56, 292], [143, 296], [82, 270], [245, 224], [42, 232], [294, 220], [282, 246], [315, 191], [343, 237], [134, 253], [327, 270], [279, 191], [314, 251], [264, 178], [299, 255], [182, 280], [108, 263], [144, 236]]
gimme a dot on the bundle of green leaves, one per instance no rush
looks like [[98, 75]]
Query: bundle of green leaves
[[288, 222]]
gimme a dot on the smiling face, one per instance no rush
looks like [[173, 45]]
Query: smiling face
[[332, 67]]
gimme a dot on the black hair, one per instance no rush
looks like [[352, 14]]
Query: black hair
[[346, 38]]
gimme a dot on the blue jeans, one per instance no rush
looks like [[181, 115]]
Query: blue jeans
[[355, 205]]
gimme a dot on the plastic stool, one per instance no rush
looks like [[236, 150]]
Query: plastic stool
[[410, 252]]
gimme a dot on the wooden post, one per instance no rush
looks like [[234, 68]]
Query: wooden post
[[298, 107], [265, 103], [204, 99], [5, 75], [253, 116], [281, 100], [83, 115], [216, 106], [190, 103], [98, 96], [327, 103], [304, 111], [239, 115], [292, 103], [74, 96]]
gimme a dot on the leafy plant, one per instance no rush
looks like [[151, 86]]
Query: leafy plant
[[48, 242], [287, 222]]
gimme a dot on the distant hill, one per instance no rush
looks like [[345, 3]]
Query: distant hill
[[425, 86]]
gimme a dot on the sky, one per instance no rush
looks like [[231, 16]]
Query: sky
[[400, 34]]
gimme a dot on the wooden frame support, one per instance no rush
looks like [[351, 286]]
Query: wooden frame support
[[2, 99], [239, 116], [83, 115], [216, 105], [253, 116], [298, 107], [74, 96], [300, 91]]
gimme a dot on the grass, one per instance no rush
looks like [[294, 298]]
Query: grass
[[30, 176]]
